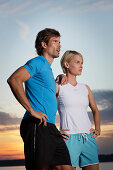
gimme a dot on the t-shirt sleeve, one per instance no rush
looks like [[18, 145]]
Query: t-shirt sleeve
[[34, 66]]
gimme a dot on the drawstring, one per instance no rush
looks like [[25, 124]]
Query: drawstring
[[83, 136]]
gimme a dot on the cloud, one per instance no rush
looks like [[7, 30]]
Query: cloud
[[24, 29], [4, 4], [103, 140], [104, 100], [104, 97], [8, 128], [87, 5], [106, 116], [7, 119], [65, 7], [11, 106], [57, 8], [19, 6], [9, 122], [11, 156], [37, 7]]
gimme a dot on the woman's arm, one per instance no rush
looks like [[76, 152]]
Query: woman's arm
[[57, 90], [63, 131], [96, 114]]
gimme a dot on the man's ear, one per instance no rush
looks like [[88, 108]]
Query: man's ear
[[44, 45]]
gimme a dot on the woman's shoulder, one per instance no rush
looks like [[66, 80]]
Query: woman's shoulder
[[63, 88], [84, 86]]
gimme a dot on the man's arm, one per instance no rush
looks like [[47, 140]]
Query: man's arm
[[61, 79], [15, 82]]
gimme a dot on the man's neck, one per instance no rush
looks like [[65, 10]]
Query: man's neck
[[48, 58]]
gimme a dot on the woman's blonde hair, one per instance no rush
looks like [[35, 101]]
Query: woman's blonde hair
[[67, 57]]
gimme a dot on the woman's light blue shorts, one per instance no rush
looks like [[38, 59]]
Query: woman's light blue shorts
[[83, 150]]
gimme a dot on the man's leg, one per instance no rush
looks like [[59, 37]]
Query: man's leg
[[27, 131], [38, 146], [61, 160]]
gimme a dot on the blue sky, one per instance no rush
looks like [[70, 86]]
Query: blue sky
[[85, 26]]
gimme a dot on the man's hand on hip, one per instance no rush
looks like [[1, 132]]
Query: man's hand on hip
[[41, 116]]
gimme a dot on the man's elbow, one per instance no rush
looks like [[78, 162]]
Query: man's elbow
[[10, 81]]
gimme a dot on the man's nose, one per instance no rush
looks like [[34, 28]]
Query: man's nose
[[60, 45]]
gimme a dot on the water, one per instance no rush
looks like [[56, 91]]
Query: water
[[103, 166], [13, 168]]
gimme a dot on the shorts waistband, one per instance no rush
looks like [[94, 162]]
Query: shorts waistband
[[80, 136]]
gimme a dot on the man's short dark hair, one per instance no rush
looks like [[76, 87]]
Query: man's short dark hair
[[45, 36]]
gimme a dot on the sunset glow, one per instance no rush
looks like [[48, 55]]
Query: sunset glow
[[86, 27], [11, 144]]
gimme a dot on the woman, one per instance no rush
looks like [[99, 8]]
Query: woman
[[73, 100]]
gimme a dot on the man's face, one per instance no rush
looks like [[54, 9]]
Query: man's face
[[53, 47]]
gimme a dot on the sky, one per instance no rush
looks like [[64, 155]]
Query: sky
[[85, 26]]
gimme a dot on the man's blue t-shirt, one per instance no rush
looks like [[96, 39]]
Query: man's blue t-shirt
[[41, 88]]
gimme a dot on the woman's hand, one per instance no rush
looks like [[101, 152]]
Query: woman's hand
[[96, 132], [64, 134]]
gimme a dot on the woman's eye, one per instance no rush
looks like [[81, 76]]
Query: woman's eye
[[77, 62]]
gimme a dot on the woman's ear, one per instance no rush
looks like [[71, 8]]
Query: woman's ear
[[44, 45], [66, 65]]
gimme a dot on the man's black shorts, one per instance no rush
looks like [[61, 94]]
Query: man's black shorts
[[44, 146]]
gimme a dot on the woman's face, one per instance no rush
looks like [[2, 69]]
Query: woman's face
[[75, 65]]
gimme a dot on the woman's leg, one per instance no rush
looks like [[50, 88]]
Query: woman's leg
[[91, 167], [64, 167]]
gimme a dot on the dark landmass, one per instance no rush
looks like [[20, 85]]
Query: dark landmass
[[106, 158], [16, 162], [21, 162]]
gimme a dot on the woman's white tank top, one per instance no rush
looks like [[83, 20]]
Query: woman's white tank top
[[72, 106]]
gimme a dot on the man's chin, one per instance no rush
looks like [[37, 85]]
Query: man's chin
[[56, 56]]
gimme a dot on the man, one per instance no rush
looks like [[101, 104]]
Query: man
[[44, 146]]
